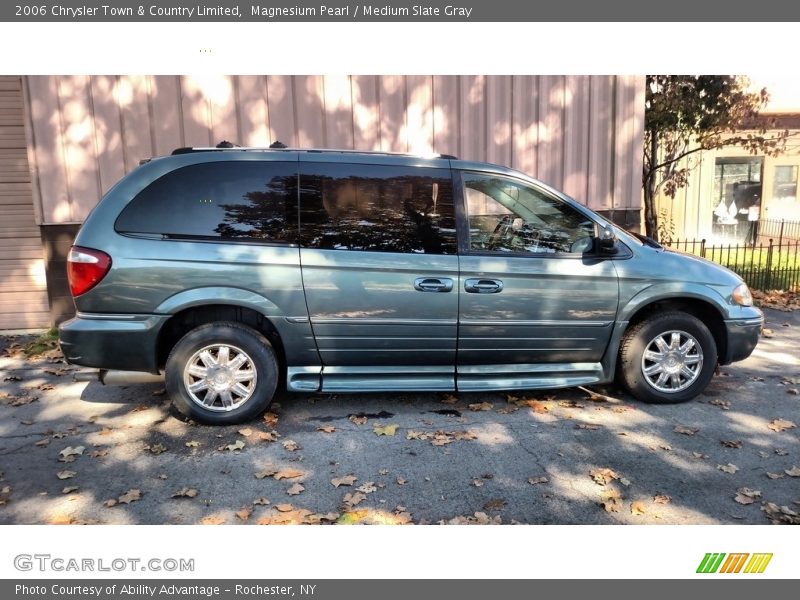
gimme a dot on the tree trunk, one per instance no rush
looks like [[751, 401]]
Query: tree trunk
[[650, 216]]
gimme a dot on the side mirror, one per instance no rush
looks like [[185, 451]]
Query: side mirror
[[607, 242]]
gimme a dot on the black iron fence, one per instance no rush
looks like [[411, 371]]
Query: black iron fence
[[778, 230], [768, 265]]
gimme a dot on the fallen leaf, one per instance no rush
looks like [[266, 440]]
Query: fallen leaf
[[291, 446], [729, 468], [326, 429], [287, 474], [723, 404], [358, 420], [589, 426], [477, 483], [537, 480], [110, 502], [367, 487], [481, 406], [130, 496], [793, 472], [494, 505], [793, 391], [284, 507], [781, 425], [42, 443], [401, 481], [296, 489], [346, 480], [266, 473], [260, 502], [66, 474], [570, 404], [603, 476], [69, 489], [162, 476], [244, 513], [383, 472], [611, 500], [212, 520], [661, 499], [156, 448], [775, 475], [192, 444], [69, 452], [780, 514], [638, 508], [731, 443], [237, 445], [352, 499], [265, 436], [781, 451], [745, 495], [449, 399], [160, 392], [479, 518], [699, 455], [98, 453], [389, 429], [685, 430], [185, 493], [271, 419], [245, 431], [538, 407]]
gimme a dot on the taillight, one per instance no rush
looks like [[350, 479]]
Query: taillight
[[86, 268]]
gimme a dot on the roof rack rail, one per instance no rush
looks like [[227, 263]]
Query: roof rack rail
[[278, 147]]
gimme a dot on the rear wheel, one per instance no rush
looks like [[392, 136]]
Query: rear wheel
[[667, 358], [222, 373]]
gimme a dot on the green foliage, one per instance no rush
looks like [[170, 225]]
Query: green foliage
[[686, 114], [46, 341]]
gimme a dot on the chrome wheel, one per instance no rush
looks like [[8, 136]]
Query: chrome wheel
[[220, 377], [672, 361]]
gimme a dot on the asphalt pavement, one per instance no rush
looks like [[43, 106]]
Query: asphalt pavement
[[87, 453]]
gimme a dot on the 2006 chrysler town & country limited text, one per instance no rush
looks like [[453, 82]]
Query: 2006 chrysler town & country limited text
[[230, 269]]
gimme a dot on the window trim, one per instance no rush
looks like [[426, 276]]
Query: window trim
[[462, 221]]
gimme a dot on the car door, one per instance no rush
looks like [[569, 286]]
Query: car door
[[380, 264], [536, 303]]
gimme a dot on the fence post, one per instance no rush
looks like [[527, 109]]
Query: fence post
[[768, 270], [703, 248], [780, 235]]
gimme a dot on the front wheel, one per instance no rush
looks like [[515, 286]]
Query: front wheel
[[667, 358], [222, 373]]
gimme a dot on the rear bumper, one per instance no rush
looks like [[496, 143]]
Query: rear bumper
[[743, 336], [123, 342]]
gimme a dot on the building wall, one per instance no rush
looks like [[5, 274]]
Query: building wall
[[581, 134], [23, 297], [691, 212]]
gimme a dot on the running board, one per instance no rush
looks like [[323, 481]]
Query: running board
[[481, 378], [470, 378]]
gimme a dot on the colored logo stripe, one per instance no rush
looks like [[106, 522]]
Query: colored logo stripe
[[713, 562]]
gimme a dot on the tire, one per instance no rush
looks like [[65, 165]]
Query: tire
[[228, 386], [658, 377]]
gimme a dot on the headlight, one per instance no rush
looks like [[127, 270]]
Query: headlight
[[742, 296]]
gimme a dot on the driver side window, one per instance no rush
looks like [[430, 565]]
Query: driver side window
[[509, 216]]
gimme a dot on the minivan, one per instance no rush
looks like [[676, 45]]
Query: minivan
[[232, 270]]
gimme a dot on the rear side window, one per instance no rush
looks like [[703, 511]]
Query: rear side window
[[236, 200], [377, 208]]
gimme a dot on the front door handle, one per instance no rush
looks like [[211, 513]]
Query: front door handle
[[483, 286], [433, 284]]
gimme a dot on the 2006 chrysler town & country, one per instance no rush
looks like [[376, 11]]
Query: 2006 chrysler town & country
[[232, 269]]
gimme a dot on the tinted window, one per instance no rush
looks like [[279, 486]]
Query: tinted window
[[377, 208], [249, 200], [509, 216]]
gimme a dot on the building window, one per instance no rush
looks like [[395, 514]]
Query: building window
[[785, 182], [737, 194]]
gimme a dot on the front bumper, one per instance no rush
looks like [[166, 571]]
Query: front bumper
[[123, 342], [742, 337]]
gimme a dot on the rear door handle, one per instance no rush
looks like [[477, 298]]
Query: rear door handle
[[433, 284], [483, 286]]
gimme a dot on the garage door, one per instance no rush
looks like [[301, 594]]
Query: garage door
[[23, 293]]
